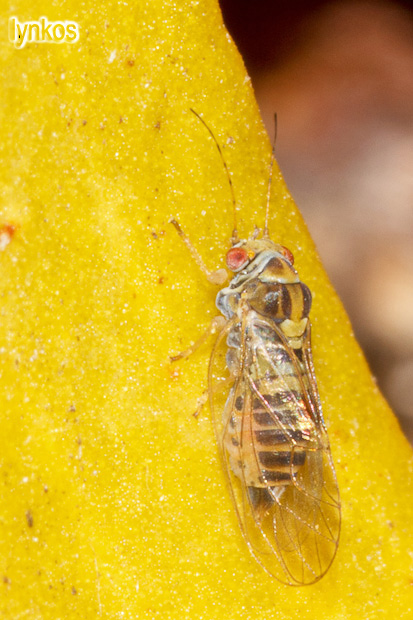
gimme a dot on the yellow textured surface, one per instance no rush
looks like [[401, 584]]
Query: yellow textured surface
[[112, 502]]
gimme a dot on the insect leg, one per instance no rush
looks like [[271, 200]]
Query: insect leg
[[215, 277], [208, 393], [217, 323]]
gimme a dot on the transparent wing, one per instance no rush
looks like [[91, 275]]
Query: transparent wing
[[275, 450]]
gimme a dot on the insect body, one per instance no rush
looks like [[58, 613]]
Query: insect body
[[272, 436], [267, 413]]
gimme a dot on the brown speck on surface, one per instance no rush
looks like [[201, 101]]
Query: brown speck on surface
[[84, 122], [160, 281], [6, 580], [157, 125], [74, 591], [154, 235], [174, 372], [131, 62], [6, 235], [29, 518]]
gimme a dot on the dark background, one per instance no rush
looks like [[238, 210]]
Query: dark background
[[340, 77]]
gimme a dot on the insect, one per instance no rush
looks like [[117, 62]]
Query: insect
[[266, 408]]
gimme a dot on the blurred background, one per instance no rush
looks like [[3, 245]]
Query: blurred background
[[339, 74]]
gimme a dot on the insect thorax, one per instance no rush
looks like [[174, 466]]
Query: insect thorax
[[270, 286]]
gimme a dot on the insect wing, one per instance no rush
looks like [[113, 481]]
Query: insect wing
[[275, 450]]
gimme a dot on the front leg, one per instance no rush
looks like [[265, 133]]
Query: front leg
[[215, 277]]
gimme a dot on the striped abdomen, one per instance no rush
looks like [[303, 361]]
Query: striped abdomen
[[269, 429]]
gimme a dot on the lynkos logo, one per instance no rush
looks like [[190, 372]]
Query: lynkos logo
[[42, 31]]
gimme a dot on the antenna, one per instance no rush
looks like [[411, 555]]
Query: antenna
[[234, 202], [267, 209]]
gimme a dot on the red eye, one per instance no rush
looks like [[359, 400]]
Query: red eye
[[288, 254], [236, 258]]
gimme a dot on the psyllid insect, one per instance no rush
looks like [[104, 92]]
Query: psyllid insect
[[266, 408]]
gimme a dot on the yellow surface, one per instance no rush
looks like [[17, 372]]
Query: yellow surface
[[113, 503]]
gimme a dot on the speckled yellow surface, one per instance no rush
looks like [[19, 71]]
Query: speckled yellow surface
[[112, 502]]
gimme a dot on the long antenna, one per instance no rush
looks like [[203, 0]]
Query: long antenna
[[267, 209], [234, 202]]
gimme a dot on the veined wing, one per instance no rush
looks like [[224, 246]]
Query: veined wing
[[275, 451]]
